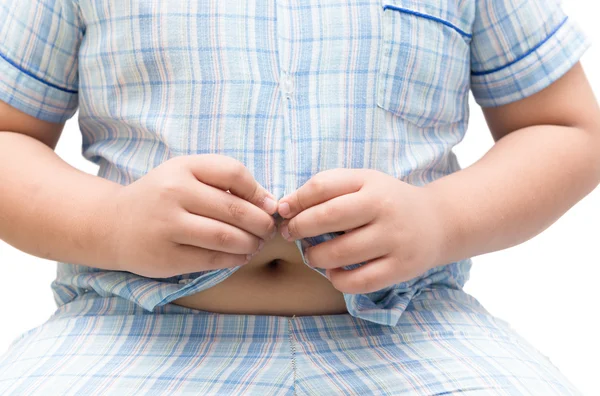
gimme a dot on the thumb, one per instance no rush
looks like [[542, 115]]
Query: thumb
[[264, 199]]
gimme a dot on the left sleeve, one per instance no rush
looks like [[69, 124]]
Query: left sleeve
[[520, 47]]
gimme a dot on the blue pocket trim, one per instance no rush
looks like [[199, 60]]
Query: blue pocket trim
[[520, 58], [426, 16]]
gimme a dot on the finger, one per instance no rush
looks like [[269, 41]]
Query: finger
[[337, 214], [370, 277], [211, 202], [207, 233], [362, 244], [229, 174], [188, 259], [321, 187]]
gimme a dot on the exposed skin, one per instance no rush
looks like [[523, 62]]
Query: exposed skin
[[545, 159], [157, 226]]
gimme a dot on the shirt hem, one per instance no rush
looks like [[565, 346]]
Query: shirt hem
[[542, 66], [33, 97]]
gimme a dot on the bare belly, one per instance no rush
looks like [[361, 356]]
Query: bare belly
[[275, 282]]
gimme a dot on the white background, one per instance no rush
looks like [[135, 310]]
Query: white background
[[546, 288]]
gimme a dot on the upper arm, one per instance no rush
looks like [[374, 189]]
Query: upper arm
[[13, 120], [524, 64], [569, 101]]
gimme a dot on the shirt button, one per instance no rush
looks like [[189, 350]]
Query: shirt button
[[287, 85]]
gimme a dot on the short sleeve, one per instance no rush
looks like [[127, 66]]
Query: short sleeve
[[39, 44], [520, 47]]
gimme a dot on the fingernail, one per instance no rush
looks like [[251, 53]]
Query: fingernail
[[305, 254], [284, 209], [273, 233], [269, 204], [285, 232], [308, 262], [260, 246]]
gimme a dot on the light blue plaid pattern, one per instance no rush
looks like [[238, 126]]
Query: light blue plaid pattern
[[289, 88], [445, 343]]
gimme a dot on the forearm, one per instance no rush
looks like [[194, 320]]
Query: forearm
[[528, 180], [50, 209]]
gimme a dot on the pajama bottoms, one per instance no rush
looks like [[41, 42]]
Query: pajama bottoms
[[445, 343]]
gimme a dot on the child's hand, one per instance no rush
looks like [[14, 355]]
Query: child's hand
[[399, 230], [179, 218]]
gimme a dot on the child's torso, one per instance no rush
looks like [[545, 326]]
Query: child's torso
[[290, 89]]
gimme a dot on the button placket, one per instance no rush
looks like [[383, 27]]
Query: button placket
[[287, 85], [286, 30]]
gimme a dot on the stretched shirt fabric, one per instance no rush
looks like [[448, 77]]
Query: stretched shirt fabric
[[289, 88]]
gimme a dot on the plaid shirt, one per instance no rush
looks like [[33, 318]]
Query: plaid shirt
[[289, 88]]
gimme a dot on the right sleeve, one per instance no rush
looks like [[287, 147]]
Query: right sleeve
[[39, 44]]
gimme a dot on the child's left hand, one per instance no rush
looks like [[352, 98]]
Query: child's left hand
[[392, 224]]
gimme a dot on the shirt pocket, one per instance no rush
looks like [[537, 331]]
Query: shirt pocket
[[424, 69]]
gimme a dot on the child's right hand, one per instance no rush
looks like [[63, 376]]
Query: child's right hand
[[179, 218]]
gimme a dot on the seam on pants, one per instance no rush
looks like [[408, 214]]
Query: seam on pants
[[293, 353]]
